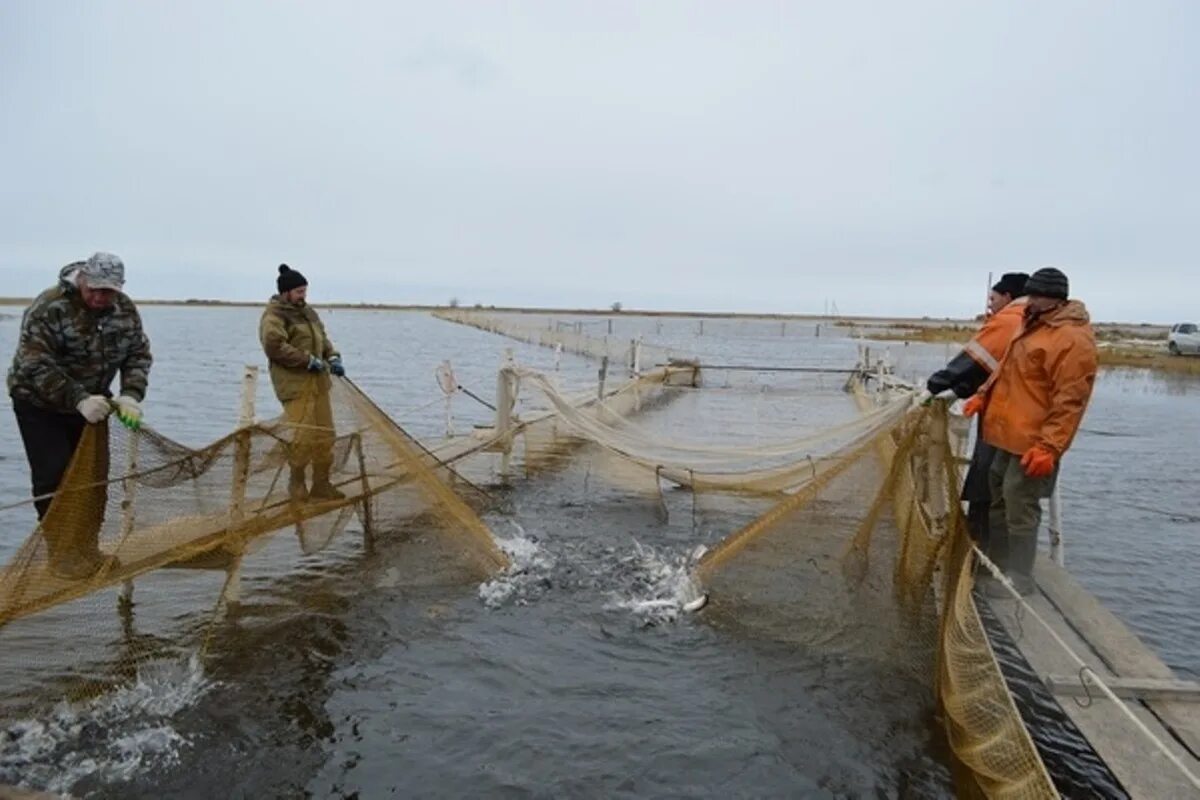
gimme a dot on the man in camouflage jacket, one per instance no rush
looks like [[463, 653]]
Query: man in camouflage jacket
[[75, 339], [302, 358]]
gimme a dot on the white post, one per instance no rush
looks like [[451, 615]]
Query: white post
[[233, 582], [557, 355], [1056, 538], [637, 357]]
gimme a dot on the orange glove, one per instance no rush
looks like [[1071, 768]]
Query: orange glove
[[973, 405], [1038, 462]]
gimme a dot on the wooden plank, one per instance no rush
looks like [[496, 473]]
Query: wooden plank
[[1137, 764], [1127, 688], [1116, 646]]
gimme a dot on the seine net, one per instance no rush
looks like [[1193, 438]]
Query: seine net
[[853, 534], [134, 502]]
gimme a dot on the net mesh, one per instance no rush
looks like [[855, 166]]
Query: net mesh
[[173, 506], [857, 522]]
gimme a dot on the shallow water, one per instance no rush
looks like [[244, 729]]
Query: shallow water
[[575, 675]]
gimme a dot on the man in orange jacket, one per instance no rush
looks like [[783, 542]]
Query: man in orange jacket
[[1032, 407], [969, 370]]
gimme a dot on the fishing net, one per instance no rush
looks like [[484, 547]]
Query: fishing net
[[134, 502], [569, 338], [854, 520], [853, 541], [903, 581]]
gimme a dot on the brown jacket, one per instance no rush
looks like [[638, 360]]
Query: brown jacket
[[1038, 394], [291, 333]]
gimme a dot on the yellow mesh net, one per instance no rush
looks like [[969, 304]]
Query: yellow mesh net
[[134, 502], [856, 521], [908, 575], [863, 526]]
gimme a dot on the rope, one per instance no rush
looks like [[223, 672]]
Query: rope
[[1084, 669]]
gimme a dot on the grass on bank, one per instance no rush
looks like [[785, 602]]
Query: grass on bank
[[1117, 347]]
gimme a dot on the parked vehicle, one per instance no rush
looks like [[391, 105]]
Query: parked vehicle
[[1184, 339]]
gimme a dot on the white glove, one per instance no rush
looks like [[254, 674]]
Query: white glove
[[923, 397], [94, 408], [129, 411]]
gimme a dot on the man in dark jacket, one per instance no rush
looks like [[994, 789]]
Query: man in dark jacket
[[302, 358], [969, 370], [75, 339]]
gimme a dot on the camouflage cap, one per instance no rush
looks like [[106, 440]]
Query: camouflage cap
[[104, 271]]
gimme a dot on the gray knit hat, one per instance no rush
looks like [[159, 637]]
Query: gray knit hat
[[1048, 282], [104, 271]]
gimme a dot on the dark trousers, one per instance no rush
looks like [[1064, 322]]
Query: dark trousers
[[50, 439], [1016, 513], [978, 493]]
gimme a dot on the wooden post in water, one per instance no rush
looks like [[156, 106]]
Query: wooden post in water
[[368, 517], [241, 474], [603, 376], [1056, 538], [129, 489], [505, 401], [936, 463]]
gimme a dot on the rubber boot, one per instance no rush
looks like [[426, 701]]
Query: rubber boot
[[322, 489], [297, 491]]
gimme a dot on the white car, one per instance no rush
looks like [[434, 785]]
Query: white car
[[1184, 338]]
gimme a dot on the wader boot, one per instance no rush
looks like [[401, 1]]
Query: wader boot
[[297, 491], [322, 489]]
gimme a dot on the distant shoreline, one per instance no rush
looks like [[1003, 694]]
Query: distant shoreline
[[932, 322]]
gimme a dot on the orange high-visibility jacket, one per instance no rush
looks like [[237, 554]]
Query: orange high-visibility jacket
[[988, 346], [1038, 394], [974, 364]]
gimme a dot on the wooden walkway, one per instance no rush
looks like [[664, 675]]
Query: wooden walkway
[[1119, 657]]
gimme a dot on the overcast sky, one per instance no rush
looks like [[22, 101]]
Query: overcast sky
[[712, 156]]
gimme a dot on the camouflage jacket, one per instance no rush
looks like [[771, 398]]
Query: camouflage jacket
[[68, 351], [290, 333]]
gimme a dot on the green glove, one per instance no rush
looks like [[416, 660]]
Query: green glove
[[129, 411]]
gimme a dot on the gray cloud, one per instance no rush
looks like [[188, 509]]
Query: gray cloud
[[704, 155]]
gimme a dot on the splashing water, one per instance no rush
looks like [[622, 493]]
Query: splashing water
[[111, 738], [658, 588], [527, 577]]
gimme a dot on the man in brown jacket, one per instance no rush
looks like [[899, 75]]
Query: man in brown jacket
[[1032, 407], [302, 359]]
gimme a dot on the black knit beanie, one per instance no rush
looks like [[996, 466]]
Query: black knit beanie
[[1011, 284], [289, 279], [1048, 282]]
